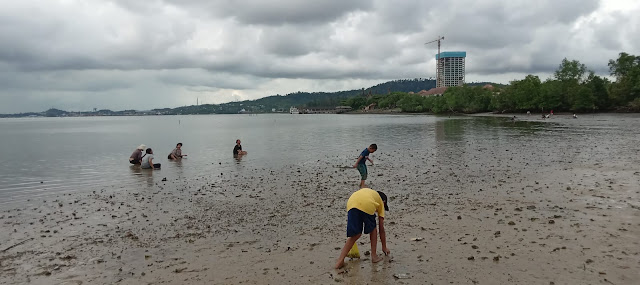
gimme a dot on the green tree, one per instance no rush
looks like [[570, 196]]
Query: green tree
[[502, 101], [411, 103], [599, 89], [581, 98], [356, 103], [571, 70], [526, 92], [624, 65], [550, 95], [626, 69], [438, 104], [571, 74], [389, 101], [455, 98]]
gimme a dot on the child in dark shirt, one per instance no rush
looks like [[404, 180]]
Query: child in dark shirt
[[360, 163]]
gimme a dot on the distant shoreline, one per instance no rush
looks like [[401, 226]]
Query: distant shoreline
[[395, 111]]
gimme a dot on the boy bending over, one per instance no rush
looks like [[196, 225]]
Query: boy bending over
[[361, 209]]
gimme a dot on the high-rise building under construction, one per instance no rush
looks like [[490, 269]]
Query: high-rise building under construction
[[450, 68]]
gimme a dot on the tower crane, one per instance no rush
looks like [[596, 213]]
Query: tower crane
[[439, 61]]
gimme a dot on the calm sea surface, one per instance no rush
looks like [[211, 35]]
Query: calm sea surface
[[50, 156]]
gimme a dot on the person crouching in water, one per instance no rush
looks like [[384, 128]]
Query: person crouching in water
[[147, 160], [136, 156], [176, 152], [361, 209], [237, 150]]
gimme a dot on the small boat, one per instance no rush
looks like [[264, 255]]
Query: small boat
[[294, 110]]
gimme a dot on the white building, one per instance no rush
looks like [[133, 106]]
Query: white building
[[452, 70]]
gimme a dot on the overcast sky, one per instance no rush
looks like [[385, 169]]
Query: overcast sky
[[144, 54]]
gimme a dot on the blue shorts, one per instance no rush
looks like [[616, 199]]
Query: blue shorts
[[362, 168], [356, 219]]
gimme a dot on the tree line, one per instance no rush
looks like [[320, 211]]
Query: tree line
[[572, 88]]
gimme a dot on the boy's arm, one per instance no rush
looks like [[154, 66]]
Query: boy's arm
[[383, 236], [359, 158], [370, 160]]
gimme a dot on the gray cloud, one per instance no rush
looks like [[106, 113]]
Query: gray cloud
[[126, 54], [274, 13]]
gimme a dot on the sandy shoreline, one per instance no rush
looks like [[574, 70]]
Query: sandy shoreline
[[502, 220]]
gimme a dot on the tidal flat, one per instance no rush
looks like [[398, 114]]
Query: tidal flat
[[487, 201]]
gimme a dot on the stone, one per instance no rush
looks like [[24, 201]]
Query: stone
[[402, 276]]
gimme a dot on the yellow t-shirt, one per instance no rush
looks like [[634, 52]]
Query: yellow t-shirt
[[366, 200]]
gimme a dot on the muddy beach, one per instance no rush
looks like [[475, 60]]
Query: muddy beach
[[488, 202]]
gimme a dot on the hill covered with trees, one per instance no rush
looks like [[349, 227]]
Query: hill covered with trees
[[327, 100], [572, 88], [304, 99]]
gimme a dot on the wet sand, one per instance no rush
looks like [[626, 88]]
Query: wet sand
[[529, 209]]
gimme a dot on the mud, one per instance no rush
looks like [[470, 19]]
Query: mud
[[544, 206]]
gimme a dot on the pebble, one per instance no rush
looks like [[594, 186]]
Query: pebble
[[402, 275]]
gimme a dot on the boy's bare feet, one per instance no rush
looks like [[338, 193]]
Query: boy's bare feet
[[376, 259], [340, 264]]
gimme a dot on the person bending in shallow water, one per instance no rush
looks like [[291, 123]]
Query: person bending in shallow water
[[176, 152], [361, 209], [136, 156], [237, 150]]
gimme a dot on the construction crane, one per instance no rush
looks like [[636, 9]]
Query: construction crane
[[439, 60]]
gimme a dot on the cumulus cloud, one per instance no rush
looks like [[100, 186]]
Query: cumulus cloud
[[121, 54]]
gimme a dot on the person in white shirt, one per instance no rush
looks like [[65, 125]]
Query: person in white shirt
[[147, 160]]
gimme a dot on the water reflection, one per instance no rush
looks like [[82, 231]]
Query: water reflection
[[176, 167], [450, 130], [450, 147], [142, 175], [135, 169]]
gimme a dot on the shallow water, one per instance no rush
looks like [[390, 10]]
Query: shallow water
[[47, 156]]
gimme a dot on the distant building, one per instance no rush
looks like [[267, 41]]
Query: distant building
[[370, 107], [451, 68], [438, 91], [342, 109]]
